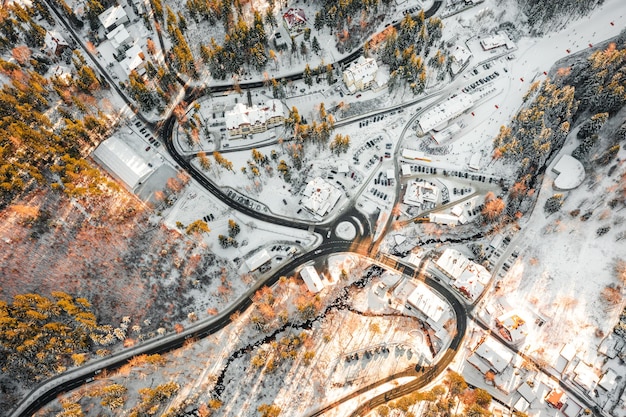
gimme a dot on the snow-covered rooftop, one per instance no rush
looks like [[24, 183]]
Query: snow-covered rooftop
[[468, 284], [112, 16], [440, 114], [294, 18], [257, 259], [134, 59], [122, 161], [452, 262], [514, 325], [320, 196], [360, 73], [571, 173], [118, 36], [311, 279], [244, 115], [495, 353], [497, 40], [427, 302], [419, 191]]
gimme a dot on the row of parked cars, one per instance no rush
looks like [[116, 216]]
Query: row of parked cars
[[480, 82], [147, 135]]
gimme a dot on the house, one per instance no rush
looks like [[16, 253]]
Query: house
[[556, 398], [360, 75], [468, 284], [54, 43], [295, 20], [608, 380], [119, 38], [512, 327], [452, 263], [243, 120], [113, 17], [496, 355], [320, 196], [312, 279], [134, 60]]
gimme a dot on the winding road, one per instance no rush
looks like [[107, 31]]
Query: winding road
[[52, 388]]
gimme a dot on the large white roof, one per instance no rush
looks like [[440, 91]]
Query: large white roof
[[118, 36], [112, 16], [495, 353], [427, 302], [444, 111], [320, 196], [122, 161], [257, 259], [571, 173], [419, 191], [452, 262], [311, 279], [244, 115], [363, 69], [134, 58]]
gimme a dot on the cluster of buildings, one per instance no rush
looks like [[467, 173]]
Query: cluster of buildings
[[120, 43], [244, 119], [422, 194], [468, 277], [497, 40]]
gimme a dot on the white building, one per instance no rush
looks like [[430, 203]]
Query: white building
[[443, 218], [134, 61], [571, 173], [496, 41], [361, 74], [122, 162], [438, 116], [495, 354], [460, 57], [320, 196], [244, 120], [512, 327], [312, 279], [452, 262], [428, 303], [295, 20], [113, 17], [119, 37], [258, 259], [419, 192]]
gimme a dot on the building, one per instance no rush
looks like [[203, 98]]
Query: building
[[320, 196], [512, 327], [119, 38], [243, 120], [134, 60], [474, 163], [420, 192], [295, 20], [460, 57], [571, 173], [496, 355], [258, 259], [415, 155], [122, 162], [113, 17], [496, 41], [443, 218], [360, 75], [54, 43], [452, 263], [312, 279], [469, 284], [556, 398], [428, 303], [438, 116], [585, 376], [445, 134]]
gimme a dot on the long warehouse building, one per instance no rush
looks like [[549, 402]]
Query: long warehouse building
[[438, 116]]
